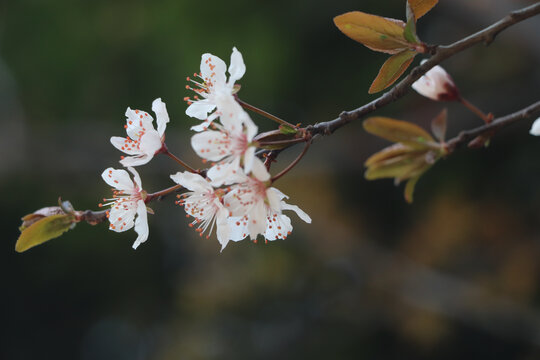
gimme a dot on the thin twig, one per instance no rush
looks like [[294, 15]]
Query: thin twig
[[291, 165], [175, 158], [439, 53], [245, 105], [495, 125]]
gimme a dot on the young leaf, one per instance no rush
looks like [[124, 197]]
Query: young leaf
[[376, 32], [399, 167], [438, 125], [409, 188], [287, 130], [409, 33], [388, 153], [391, 70], [43, 230], [399, 131], [420, 7]]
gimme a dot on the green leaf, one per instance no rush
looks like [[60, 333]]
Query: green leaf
[[438, 125], [376, 32], [287, 130], [391, 70], [400, 132], [421, 7], [43, 230], [409, 33]]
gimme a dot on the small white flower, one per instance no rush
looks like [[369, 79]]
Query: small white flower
[[142, 141], [205, 204], [436, 84], [127, 201], [231, 145], [535, 128], [214, 88], [256, 208]]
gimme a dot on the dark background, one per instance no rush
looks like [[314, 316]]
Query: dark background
[[453, 276]]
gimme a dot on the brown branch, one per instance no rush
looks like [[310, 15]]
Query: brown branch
[[495, 125], [96, 217], [439, 53]]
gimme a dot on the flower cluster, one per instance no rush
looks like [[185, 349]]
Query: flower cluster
[[234, 195]]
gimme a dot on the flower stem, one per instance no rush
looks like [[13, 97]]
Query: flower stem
[[291, 165], [263, 113], [186, 166], [158, 194], [487, 118]]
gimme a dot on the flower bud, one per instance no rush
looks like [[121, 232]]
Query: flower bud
[[437, 85]]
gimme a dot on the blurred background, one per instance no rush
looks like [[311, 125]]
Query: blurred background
[[455, 275]]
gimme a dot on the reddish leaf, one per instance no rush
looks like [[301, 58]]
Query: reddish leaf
[[376, 32], [391, 70], [421, 7]]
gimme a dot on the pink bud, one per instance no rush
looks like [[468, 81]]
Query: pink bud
[[436, 84]]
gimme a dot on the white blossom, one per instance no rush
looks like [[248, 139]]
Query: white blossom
[[231, 145], [213, 90], [142, 141], [204, 203], [126, 203], [256, 208]]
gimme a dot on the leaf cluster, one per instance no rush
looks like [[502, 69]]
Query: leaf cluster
[[389, 36], [413, 153]]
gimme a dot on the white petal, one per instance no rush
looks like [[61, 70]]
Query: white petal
[[213, 69], [259, 170], [150, 143], [135, 160], [237, 68], [118, 179], [236, 201], [251, 128], [141, 224], [226, 173], [137, 121], [136, 178], [223, 231], [274, 199], [211, 145], [121, 219], [257, 220], [249, 155], [278, 226], [201, 127], [123, 145], [535, 128], [162, 117], [434, 84], [199, 109], [301, 214], [238, 228], [193, 182]]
